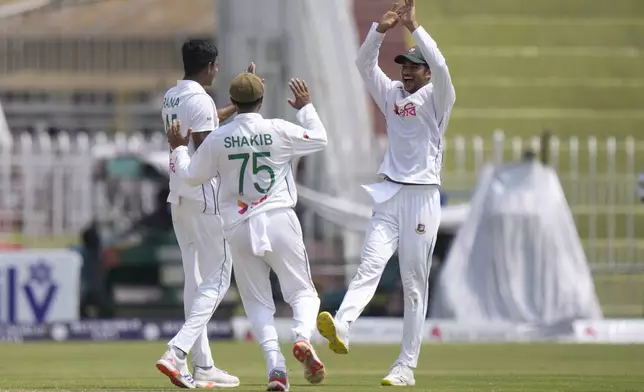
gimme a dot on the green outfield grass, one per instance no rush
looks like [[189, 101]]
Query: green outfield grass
[[448, 367]]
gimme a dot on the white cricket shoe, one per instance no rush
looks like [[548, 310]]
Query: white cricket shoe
[[314, 370], [214, 378], [176, 369], [399, 376], [336, 332], [278, 381]]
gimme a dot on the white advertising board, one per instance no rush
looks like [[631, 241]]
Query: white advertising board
[[38, 287]]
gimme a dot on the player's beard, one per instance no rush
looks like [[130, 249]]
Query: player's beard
[[415, 84], [410, 85]]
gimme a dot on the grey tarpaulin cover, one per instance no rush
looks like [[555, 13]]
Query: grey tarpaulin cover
[[517, 257]]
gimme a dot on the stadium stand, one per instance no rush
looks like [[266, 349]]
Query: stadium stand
[[112, 56], [124, 18], [573, 66], [519, 66]]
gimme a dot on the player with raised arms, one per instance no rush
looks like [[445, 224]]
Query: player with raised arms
[[194, 211], [252, 158], [407, 207]]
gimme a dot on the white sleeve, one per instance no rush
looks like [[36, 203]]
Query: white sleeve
[[203, 114], [444, 94], [377, 83], [307, 138], [201, 167]]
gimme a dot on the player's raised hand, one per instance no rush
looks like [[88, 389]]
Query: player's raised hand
[[390, 18], [175, 138], [408, 15], [301, 96], [251, 69]]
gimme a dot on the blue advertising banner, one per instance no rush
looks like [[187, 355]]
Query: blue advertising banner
[[107, 330]]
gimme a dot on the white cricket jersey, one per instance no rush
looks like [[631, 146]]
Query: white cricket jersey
[[191, 104], [415, 122], [251, 156]]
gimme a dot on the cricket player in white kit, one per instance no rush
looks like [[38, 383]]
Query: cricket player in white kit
[[407, 202], [252, 158], [194, 210]]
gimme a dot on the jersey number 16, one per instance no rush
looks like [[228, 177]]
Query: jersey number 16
[[245, 157]]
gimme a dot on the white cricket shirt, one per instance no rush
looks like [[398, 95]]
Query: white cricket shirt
[[191, 104], [415, 122], [251, 156]]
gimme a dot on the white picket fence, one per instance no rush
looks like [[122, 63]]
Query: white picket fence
[[46, 183], [47, 187]]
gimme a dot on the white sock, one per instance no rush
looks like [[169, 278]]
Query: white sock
[[305, 313], [273, 356]]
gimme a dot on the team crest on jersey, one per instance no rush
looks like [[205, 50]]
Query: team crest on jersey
[[420, 229]]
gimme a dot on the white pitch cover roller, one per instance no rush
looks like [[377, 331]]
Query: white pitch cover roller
[[518, 257]]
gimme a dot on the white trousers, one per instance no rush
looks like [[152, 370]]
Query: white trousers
[[408, 222], [288, 259], [207, 268]]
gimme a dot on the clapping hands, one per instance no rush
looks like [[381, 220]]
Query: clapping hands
[[399, 12]]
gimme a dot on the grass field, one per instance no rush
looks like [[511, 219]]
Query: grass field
[[448, 367]]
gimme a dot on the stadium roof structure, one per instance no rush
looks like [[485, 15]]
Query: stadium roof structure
[[119, 18]]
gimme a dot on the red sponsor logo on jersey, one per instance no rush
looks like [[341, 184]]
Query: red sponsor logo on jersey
[[172, 166], [407, 110], [306, 135], [243, 207]]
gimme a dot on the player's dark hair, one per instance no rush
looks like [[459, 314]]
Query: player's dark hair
[[197, 54], [249, 107]]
